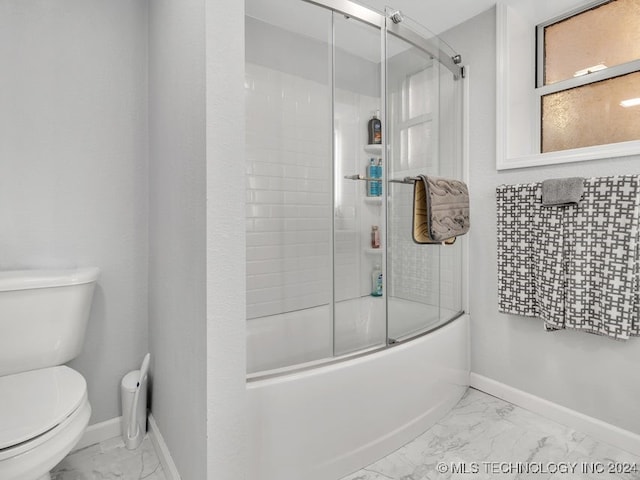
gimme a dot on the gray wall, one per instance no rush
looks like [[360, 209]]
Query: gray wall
[[177, 236], [196, 235], [84, 106], [593, 375], [73, 166]]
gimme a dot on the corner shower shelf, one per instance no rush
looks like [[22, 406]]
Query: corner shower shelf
[[373, 251], [373, 200], [375, 148]]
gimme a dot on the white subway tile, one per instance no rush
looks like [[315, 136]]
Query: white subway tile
[[255, 282]]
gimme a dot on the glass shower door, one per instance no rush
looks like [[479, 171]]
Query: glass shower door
[[288, 89], [424, 129], [360, 314], [331, 265]]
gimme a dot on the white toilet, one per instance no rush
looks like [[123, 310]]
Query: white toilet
[[44, 408]]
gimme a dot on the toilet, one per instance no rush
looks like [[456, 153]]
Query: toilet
[[44, 408]]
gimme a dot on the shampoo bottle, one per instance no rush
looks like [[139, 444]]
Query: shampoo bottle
[[378, 171], [372, 184], [376, 281], [375, 129]]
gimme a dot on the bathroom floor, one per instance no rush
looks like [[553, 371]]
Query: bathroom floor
[[481, 438], [487, 438], [111, 460]]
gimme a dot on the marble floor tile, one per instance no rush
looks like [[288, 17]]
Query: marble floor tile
[[111, 460], [484, 437]]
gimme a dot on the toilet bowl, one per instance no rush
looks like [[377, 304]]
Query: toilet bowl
[[44, 407], [43, 414]]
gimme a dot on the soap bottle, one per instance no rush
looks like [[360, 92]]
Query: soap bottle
[[375, 236], [376, 281], [371, 184], [375, 129]]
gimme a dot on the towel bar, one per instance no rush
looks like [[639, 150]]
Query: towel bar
[[409, 180]]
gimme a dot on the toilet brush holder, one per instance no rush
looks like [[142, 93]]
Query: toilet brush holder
[[133, 392]]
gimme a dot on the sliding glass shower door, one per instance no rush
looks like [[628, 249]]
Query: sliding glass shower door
[[331, 266], [289, 117], [359, 311], [424, 115]]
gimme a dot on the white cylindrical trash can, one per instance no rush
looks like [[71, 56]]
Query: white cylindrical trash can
[[128, 389]]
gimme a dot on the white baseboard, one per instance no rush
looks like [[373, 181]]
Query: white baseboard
[[598, 429], [170, 470], [99, 432]]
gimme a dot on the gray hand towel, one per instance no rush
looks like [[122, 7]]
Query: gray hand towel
[[562, 191]]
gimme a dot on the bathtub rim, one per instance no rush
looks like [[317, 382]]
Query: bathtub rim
[[325, 362]]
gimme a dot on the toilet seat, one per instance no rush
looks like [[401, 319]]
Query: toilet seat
[[34, 403], [62, 391]]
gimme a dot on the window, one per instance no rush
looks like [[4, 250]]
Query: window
[[588, 77], [418, 140]]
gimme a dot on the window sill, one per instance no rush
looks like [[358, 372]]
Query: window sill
[[612, 150]]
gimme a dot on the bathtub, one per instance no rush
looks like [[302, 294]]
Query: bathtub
[[328, 421], [311, 335]]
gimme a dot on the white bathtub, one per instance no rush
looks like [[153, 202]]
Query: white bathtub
[[326, 422], [310, 335]]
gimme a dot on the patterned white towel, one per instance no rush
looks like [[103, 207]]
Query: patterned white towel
[[516, 208], [574, 266]]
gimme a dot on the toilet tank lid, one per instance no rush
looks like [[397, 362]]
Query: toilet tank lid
[[30, 279]]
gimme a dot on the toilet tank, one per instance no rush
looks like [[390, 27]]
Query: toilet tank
[[43, 316]]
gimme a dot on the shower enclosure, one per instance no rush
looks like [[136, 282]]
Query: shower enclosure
[[316, 73], [343, 369]]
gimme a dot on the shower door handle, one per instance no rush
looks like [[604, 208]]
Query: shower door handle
[[357, 176]]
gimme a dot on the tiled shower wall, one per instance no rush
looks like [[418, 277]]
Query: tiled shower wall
[[289, 203], [289, 193], [414, 269], [354, 216], [421, 273], [289, 212]]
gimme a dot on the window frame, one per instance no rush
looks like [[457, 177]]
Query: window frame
[[405, 123], [540, 50], [542, 90], [514, 99]]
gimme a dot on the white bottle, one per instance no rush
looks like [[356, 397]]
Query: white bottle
[[376, 281]]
